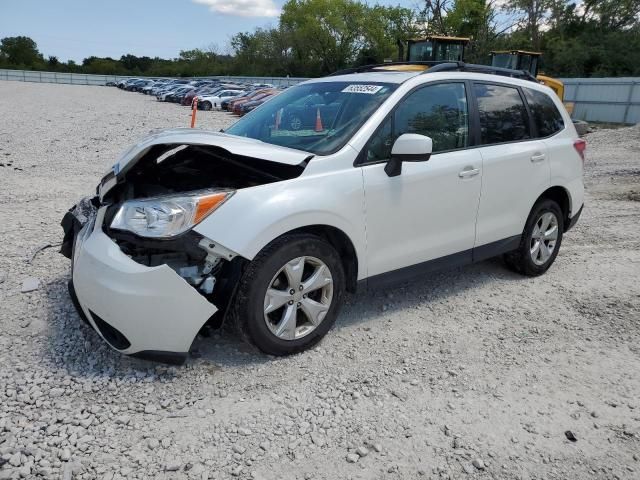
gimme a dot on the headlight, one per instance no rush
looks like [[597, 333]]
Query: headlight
[[167, 216]]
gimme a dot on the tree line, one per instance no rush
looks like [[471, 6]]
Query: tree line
[[317, 37]]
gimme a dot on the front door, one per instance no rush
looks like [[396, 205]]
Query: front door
[[429, 210]]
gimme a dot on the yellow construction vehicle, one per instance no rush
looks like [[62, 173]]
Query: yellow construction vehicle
[[528, 61], [428, 50], [437, 48]]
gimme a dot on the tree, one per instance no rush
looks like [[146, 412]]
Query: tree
[[263, 52], [534, 14], [434, 15], [20, 52], [386, 32], [326, 35], [53, 62], [612, 14]]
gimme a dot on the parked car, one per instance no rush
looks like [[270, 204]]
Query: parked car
[[127, 81], [303, 116], [208, 102], [176, 95], [268, 226], [234, 106], [245, 97], [147, 90], [170, 95], [201, 91], [238, 106], [137, 86], [188, 98], [225, 104], [168, 86], [246, 107]]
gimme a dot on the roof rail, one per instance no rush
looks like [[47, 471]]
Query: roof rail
[[381, 66], [474, 68], [439, 66]]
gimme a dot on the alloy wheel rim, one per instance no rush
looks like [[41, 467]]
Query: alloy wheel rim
[[296, 123], [298, 298], [544, 238]]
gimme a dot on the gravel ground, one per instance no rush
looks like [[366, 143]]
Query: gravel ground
[[475, 372]]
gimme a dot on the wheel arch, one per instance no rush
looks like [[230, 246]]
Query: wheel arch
[[343, 245], [562, 197]]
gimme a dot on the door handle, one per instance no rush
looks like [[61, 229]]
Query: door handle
[[537, 157], [469, 172]]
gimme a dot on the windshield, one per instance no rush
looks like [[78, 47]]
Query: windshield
[[421, 51], [317, 117], [505, 60]]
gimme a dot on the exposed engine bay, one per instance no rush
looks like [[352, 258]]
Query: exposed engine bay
[[182, 168]]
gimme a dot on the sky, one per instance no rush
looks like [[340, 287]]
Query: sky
[[76, 29]]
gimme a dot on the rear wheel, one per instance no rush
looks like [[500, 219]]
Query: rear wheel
[[206, 105], [540, 241], [290, 294]]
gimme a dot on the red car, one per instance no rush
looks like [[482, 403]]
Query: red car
[[257, 95]]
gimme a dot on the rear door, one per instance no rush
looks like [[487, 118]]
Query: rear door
[[515, 165]]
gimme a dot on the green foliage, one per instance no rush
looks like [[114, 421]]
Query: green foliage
[[317, 37], [19, 51]]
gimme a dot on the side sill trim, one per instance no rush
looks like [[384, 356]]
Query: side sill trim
[[494, 249], [454, 260]]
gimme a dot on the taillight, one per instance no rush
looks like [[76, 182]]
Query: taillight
[[580, 145]]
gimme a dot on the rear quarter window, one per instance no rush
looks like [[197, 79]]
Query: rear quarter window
[[546, 116]]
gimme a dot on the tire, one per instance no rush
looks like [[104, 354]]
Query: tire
[[206, 105], [529, 260], [272, 270]]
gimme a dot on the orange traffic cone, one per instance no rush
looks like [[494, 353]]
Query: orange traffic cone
[[194, 110], [319, 126]]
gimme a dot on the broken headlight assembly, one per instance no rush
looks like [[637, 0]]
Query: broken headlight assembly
[[168, 216]]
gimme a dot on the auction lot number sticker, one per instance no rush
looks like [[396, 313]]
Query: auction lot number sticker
[[368, 89]]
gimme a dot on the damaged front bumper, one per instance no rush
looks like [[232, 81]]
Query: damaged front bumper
[[147, 312]]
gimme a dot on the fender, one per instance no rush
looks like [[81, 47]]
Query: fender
[[255, 216]]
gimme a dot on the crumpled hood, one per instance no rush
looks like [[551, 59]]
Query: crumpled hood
[[247, 147]]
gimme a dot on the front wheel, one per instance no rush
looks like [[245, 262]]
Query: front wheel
[[290, 295], [540, 241], [206, 105]]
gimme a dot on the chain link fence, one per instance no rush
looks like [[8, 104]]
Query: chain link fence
[[88, 79]]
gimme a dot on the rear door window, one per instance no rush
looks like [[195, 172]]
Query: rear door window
[[503, 116], [546, 116]]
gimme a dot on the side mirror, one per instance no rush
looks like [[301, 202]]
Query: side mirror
[[409, 147]]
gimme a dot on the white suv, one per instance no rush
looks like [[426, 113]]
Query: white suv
[[385, 175]]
